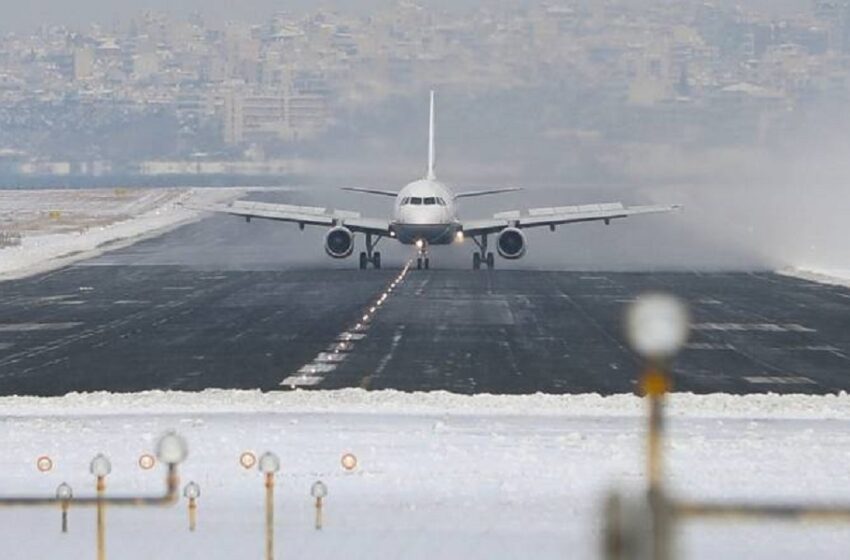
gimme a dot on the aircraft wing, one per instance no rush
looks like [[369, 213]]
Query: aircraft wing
[[557, 215], [380, 192], [483, 192], [301, 215]]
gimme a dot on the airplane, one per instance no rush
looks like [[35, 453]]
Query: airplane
[[425, 214]]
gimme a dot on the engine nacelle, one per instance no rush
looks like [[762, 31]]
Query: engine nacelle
[[511, 243], [339, 242]]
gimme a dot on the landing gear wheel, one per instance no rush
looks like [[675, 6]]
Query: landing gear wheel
[[491, 261], [376, 260], [363, 261], [476, 261], [419, 263], [427, 263]]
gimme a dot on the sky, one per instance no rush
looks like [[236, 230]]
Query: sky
[[26, 16], [18, 16]]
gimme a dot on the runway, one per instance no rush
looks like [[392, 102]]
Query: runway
[[207, 307]]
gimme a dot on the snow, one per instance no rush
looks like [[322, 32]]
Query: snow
[[440, 475], [832, 276], [59, 227]]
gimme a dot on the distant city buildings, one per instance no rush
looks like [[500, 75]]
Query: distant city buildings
[[159, 87]]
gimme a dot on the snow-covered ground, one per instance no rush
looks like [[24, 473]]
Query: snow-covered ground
[[45, 229], [440, 475], [834, 276]]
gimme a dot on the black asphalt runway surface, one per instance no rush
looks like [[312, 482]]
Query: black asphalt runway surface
[[210, 306]]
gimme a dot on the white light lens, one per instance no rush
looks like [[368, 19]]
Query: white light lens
[[171, 449], [269, 463], [64, 492], [657, 325], [459, 237], [100, 465], [318, 490], [192, 490]]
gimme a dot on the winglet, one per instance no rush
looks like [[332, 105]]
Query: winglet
[[431, 155]]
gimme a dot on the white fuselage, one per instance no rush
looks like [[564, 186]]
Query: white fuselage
[[425, 211]]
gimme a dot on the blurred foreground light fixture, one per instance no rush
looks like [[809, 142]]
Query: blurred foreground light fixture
[[319, 491], [657, 326], [171, 449]]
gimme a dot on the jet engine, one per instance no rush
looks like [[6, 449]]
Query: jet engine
[[511, 243], [339, 242]]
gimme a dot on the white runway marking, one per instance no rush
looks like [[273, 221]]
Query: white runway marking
[[301, 381], [326, 362], [29, 327], [746, 327], [708, 346], [779, 380]]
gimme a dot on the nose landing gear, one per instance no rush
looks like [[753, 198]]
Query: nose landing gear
[[422, 259]]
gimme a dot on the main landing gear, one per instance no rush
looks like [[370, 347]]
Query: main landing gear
[[482, 256], [370, 255]]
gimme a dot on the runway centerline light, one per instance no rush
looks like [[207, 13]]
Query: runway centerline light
[[657, 326]]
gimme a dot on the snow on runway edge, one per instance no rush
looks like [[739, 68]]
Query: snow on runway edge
[[435, 402]]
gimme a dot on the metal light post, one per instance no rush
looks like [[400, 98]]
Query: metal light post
[[269, 464], [64, 495], [101, 467], [171, 449], [319, 491], [657, 326], [192, 491]]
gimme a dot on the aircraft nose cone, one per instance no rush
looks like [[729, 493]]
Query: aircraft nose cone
[[422, 215]]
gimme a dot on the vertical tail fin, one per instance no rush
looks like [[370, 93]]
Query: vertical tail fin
[[431, 155]]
